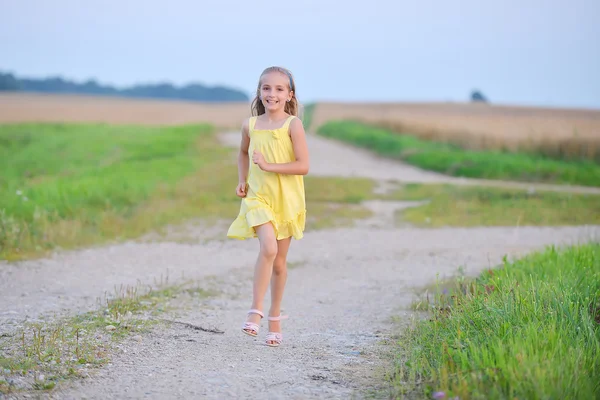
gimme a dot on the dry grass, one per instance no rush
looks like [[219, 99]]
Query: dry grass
[[560, 133], [29, 107]]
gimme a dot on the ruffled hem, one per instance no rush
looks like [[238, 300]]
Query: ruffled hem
[[243, 226]]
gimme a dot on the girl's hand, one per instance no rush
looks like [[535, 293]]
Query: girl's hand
[[259, 160], [240, 191]]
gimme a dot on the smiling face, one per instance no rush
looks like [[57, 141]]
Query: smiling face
[[275, 90]]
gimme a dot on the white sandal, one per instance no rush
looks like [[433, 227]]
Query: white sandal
[[250, 328], [276, 337]]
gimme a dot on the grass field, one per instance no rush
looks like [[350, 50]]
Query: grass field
[[71, 185], [555, 133], [527, 330], [450, 205], [452, 160]]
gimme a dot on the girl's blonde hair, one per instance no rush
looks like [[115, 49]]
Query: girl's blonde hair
[[292, 107]]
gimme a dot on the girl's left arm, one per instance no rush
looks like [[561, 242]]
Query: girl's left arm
[[301, 165]]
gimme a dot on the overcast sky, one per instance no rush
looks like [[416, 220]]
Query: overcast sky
[[530, 52]]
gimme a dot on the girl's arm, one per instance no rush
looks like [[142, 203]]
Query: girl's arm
[[301, 165], [243, 158]]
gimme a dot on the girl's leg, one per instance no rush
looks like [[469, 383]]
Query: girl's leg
[[263, 267], [278, 281]]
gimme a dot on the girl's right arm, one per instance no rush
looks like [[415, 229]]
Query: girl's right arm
[[243, 161]]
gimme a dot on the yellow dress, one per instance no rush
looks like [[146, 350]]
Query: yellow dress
[[271, 197]]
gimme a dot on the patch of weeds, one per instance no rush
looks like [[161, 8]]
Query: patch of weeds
[[334, 215], [442, 294], [455, 205], [4, 386], [338, 190], [295, 264], [41, 355], [44, 385]]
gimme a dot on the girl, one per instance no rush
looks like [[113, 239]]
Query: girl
[[272, 190]]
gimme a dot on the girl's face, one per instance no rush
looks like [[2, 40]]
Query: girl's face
[[275, 90]]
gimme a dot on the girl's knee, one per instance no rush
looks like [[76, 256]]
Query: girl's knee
[[279, 265], [268, 242], [268, 249]]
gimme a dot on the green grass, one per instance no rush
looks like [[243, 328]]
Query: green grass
[[338, 190], [529, 329], [452, 160], [309, 110], [70, 185], [451, 205], [335, 202]]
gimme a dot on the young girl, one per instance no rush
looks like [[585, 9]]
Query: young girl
[[272, 190]]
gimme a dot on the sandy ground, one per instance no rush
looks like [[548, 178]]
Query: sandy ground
[[343, 289]]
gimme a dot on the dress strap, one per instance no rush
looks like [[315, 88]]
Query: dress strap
[[251, 123], [287, 122]]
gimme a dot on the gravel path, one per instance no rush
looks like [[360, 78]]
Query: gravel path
[[344, 286]]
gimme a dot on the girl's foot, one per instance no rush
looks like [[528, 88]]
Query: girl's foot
[[251, 326], [274, 337], [274, 328]]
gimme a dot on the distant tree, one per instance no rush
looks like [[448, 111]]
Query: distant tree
[[8, 82], [192, 92], [478, 97]]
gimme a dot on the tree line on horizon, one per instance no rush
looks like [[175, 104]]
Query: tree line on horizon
[[192, 92]]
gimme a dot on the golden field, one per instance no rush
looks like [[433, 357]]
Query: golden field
[[559, 133], [29, 107], [555, 132]]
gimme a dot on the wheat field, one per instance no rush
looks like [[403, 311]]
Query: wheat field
[[29, 107], [554, 132]]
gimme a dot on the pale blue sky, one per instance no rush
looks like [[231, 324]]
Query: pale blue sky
[[530, 52]]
